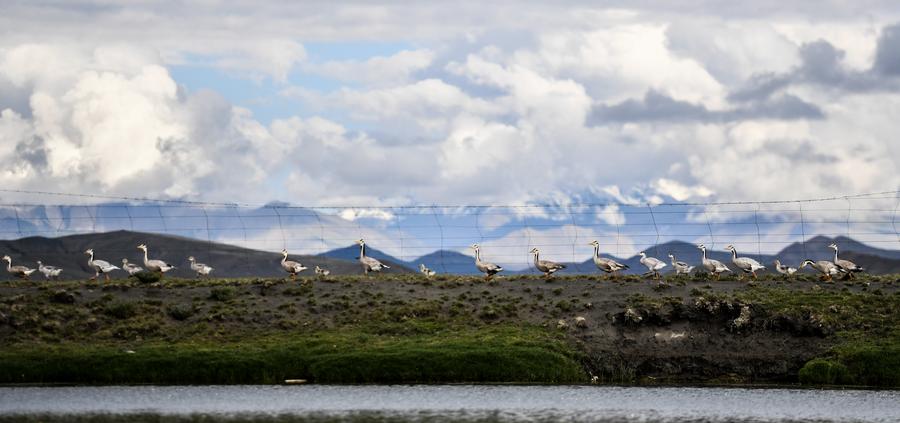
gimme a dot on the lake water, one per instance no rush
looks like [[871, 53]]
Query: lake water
[[464, 402]]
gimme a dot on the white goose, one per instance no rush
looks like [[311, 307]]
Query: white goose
[[426, 271], [825, 267], [546, 266], [131, 268], [200, 268], [606, 264], [681, 268], [712, 266], [746, 264], [845, 266], [784, 269], [99, 266], [321, 271], [653, 264], [370, 264], [50, 272], [489, 269], [20, 271], [289, 266], [154, 265]]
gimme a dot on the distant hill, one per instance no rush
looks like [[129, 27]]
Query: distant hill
[[228, 260], [232, 261]]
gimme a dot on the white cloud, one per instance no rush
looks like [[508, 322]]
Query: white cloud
[[376, 71], [490, 107]]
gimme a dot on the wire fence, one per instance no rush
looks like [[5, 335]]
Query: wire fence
[[440, 235]]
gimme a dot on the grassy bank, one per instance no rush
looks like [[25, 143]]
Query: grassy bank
[[496, 354], [405, 328], [865, 326]]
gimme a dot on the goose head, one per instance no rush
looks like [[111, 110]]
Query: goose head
[[594, 243], [142, 247], [643, 254], [89, 251], [671, 257], [701, 247], [730, 248], [361, 241], [534, 250], [833, 246], [39, 263], [284, 252], [6, 258], [124, 261], [806, 263], [475, 247], [191, 259]]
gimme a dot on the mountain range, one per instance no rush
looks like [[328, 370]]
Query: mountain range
[[232, 261]]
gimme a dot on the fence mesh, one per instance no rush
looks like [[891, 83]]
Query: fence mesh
[[437, 234]]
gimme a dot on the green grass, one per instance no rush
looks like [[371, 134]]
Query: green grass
[[866, 325], [494, 354]]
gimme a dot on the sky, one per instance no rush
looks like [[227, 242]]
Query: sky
[[330, 104]]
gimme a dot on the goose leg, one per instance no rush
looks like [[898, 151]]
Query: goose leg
[[107, 276]]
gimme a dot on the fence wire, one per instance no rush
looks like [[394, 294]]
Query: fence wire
[[440, 235]]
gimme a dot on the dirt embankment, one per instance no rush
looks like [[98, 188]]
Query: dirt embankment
[[622, 331]]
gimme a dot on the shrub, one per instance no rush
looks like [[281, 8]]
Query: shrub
[[824, 372], [62, 297], [120, 310], [180, 312], [223, 293]]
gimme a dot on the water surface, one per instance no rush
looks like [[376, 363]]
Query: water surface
[[463, 402]]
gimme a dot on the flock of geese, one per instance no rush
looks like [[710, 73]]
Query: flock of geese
[[714, 268]]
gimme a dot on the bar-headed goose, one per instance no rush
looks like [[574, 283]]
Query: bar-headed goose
[[606, 265], [370, 264], [827, 269], [746, 264], [546, 266], [292, 267], [845, 266], [131, 268], [653, 264], [784, 269], [681, 268], [712, 266], [200, 268], [19, 271], [99, 266], [426, 271], [50, 272], [489, 269], [154, 265]]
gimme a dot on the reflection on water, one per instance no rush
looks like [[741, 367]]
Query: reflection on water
[[440, 403]]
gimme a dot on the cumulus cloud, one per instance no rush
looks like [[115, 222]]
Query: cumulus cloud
[[493, 105], [376, 71], [660, 107]]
